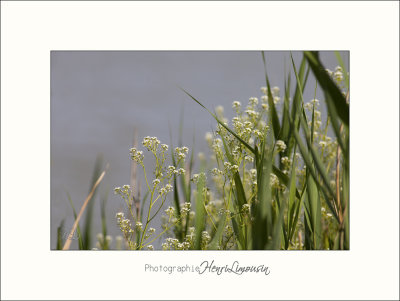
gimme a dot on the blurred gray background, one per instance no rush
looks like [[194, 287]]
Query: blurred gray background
[[98, 99]]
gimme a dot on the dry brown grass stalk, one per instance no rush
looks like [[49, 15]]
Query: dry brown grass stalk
[[85, 203]]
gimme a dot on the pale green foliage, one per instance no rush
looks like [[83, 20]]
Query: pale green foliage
[[227, 190]]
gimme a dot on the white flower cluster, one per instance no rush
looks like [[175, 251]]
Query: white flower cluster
[[252, 113], [249, 159], [171, 171], [219, 110], [217, 145], [223, 211], [338, 75], [253, 101], [124, 224], [330, 73], [136, 155], [180, 152], [264, 90], [246, 209], [170, 211], [209, 137], [205, 238], [258, 134], [252, 177], [156, 182], [264, 100], [280, 146], [313, 103], [216, 172], [274, 181], [185, 209], [275, 91], [230, 169], [139, 226], [236, 105], [164, 190], [239, 126], [103, 243], [286, 161], [174, 244], [196, 177], [151, 143], [125, 191]]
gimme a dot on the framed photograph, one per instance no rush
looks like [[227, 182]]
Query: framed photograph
[[193, 150]]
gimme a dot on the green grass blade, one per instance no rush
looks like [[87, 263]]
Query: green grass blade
[[178, 210], [188, 186], [315, 213], [284, 179], [336, 97], [238, 233], [340, 61], [215, 242], [104, 219], [292, 197], [200, 212], [87, 228], [272, 110], [345, 205], [308, 244], [146, 195], [275, 242], [60, 236], [297, 103], [285, 119], [176, 195], [262, 225], [313, 116], [240, 194], [81, 242], [335, 125], [179, 228], [310, 166], [318, 162], [221, 123], [297, 212]]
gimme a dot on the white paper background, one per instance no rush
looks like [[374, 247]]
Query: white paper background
[[29, 30]]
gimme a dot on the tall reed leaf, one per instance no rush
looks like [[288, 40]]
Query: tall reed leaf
[[200, 212], [60, 235], [78, 229], [221, 123], [87, 229], [340, 61], [336, 97], [215, 242], [318, 162], [314, 204], [273, 114], [262, 226]]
